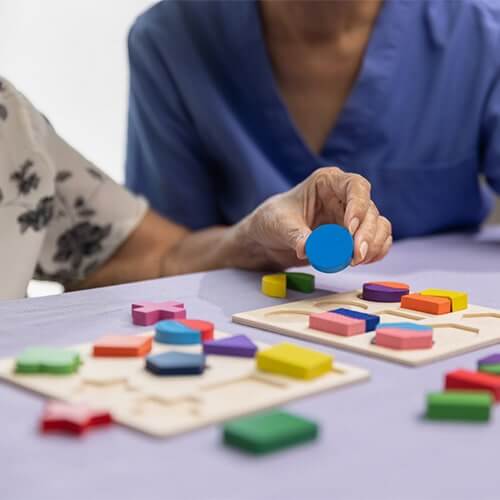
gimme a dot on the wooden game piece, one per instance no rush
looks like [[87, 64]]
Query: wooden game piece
[[371, 320], [459, 300], [239, 345], [175, 363], [490, 364], [337, 324], [472, 406], [406, 325], [384, 291], [301, 282], [123, 345], [47, 360], [403, 338], [294, 361], [274, 285], [469, 380], [268, 432], [330, 248], [206, 328], [149, 313], [426, 304], [72, 418], [174, 332]]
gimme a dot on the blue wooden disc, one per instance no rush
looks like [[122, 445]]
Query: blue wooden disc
[[330, 248]]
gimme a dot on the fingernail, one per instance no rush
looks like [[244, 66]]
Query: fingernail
[[363, 250], [354, 225]]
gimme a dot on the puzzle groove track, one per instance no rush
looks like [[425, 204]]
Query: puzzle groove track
[[162, 406], [454, 333]]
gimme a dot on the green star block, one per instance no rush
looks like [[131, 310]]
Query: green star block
[[47, 360], [270, 431], [301, 282], [459, 405]]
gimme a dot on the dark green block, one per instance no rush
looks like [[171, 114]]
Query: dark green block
[[491, 369], [459, 405], [301, 282], [269, 431]]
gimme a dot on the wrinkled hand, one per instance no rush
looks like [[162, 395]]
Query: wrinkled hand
[[278, 229]]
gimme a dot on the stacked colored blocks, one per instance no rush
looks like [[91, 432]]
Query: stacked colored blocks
[[269, 432], [474, 381], [337, 324], [294, 361], [276, 285], [175, 363], [183, 331], [404, 336], [239, 345], [330, 248], [435, 301], [459, 405], [384, 291], [490, 364], [371, 320], [49, 360]]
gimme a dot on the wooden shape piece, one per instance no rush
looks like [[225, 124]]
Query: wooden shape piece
[[371, 320], [267, 432], [294, 361], [123, 346], [301, 282], [330, 248], [174, 332], [469, 380], [406, 325], [206, 328], [422, 303], [239, 345], [384, 291], [274, 285], [459, 405], [47, 360], [175, 363], [72, 418], [337, 324], [459, 300], [401, 338], [149, 313], [492, 359]]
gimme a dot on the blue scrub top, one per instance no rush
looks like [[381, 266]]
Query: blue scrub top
[[210, 137]]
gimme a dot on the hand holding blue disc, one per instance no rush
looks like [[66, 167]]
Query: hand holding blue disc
[[330, 248]]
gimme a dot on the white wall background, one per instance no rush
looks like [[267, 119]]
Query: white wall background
[[69, 57]]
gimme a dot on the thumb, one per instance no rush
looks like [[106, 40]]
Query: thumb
[[296, 233]]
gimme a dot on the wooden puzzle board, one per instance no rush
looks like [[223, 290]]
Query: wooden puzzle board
[[454, 333], [169, 405]]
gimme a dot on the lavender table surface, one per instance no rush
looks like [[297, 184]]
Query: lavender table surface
[[374, 443]]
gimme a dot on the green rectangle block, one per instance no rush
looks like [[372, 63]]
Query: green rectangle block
[[270, 431], [491, 369], [301, 282], [459, 405]]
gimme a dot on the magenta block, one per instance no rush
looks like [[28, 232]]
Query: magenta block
[[149, 313]]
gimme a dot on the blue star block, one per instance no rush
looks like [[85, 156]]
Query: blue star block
[[371, 319], [176, 363]]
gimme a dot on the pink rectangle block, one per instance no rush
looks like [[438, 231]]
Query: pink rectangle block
[[395, 338], [337, 324]]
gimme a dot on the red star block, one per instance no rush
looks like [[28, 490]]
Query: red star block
[[72, 418], [148, 313], [123, 345]]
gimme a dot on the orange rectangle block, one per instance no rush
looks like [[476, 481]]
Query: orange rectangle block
[[426, 304]]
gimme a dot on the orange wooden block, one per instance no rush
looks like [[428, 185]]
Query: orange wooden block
[[123, 345], [392, 284], [427, 304]]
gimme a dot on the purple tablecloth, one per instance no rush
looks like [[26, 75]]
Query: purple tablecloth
[[374, 443]]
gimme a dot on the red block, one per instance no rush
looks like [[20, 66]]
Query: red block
[[469, 380], [205, 328]]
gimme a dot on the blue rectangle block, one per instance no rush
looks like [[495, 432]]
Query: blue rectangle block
[[371, 319]]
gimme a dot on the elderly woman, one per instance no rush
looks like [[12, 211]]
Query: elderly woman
[[62, 219]]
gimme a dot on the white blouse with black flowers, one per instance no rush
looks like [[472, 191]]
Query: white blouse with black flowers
[[60, 216]]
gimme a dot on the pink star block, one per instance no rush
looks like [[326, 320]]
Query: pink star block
[[72, 418], [149, 313]]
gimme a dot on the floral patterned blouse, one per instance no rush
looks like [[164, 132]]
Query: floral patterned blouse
[[60, 216]]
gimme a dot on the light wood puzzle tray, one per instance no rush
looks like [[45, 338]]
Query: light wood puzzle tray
[[454, 333], [168, 405]]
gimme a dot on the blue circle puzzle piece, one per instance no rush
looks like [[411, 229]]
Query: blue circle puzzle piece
[[330, 248], [173, 332]]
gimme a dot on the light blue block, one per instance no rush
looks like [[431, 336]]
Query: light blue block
[[406, 326], [330, 248], [172, 332]]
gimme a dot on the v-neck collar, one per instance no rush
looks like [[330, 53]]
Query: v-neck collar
[[357, 121]]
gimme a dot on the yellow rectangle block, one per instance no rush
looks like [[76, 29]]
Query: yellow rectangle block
[[274, 285], [294, 361], [459, 300]]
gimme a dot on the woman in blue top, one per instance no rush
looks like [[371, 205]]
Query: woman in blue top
[[232, 102]]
